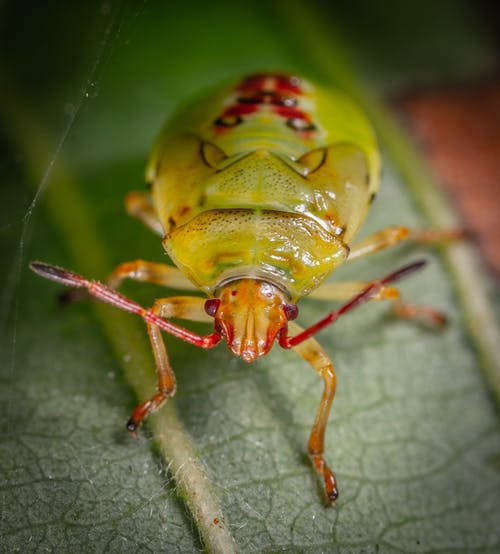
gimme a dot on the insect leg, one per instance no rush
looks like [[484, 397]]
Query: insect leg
[[150, 272], [110, 296], [393, 235], [311, 351], [138, 204], [373, 288], [184, 307], [347, 289], [343, 290], [138, 270]]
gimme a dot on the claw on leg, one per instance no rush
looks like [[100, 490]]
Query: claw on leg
[[328, 476], [144, 409]]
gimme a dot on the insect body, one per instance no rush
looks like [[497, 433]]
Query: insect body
[[258, 192], [271, 179]]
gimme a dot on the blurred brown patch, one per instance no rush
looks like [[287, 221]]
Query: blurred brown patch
[[459, 131]]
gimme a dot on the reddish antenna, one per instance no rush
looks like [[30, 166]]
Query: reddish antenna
[[110, 296], [369, 292]]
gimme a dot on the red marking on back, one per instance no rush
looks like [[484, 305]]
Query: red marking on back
[[288, 83], [240, 109], [253, 83], [291, 113], [278, 92]]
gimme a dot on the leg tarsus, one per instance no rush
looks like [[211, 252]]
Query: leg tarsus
[[424, 314], [143, 410], [329, 479], [434, 236]]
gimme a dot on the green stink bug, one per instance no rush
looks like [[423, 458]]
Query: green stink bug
[[258, 193]]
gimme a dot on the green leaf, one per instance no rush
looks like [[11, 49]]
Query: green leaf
[[413, 435]]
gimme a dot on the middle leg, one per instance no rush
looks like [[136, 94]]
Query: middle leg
[[391, 236], [150, 272], [348, 289]]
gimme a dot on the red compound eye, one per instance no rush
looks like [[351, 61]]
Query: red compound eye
[[291, 311], [211, 306]]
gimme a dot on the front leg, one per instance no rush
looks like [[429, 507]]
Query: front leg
[[311, 351], [184, 307]]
